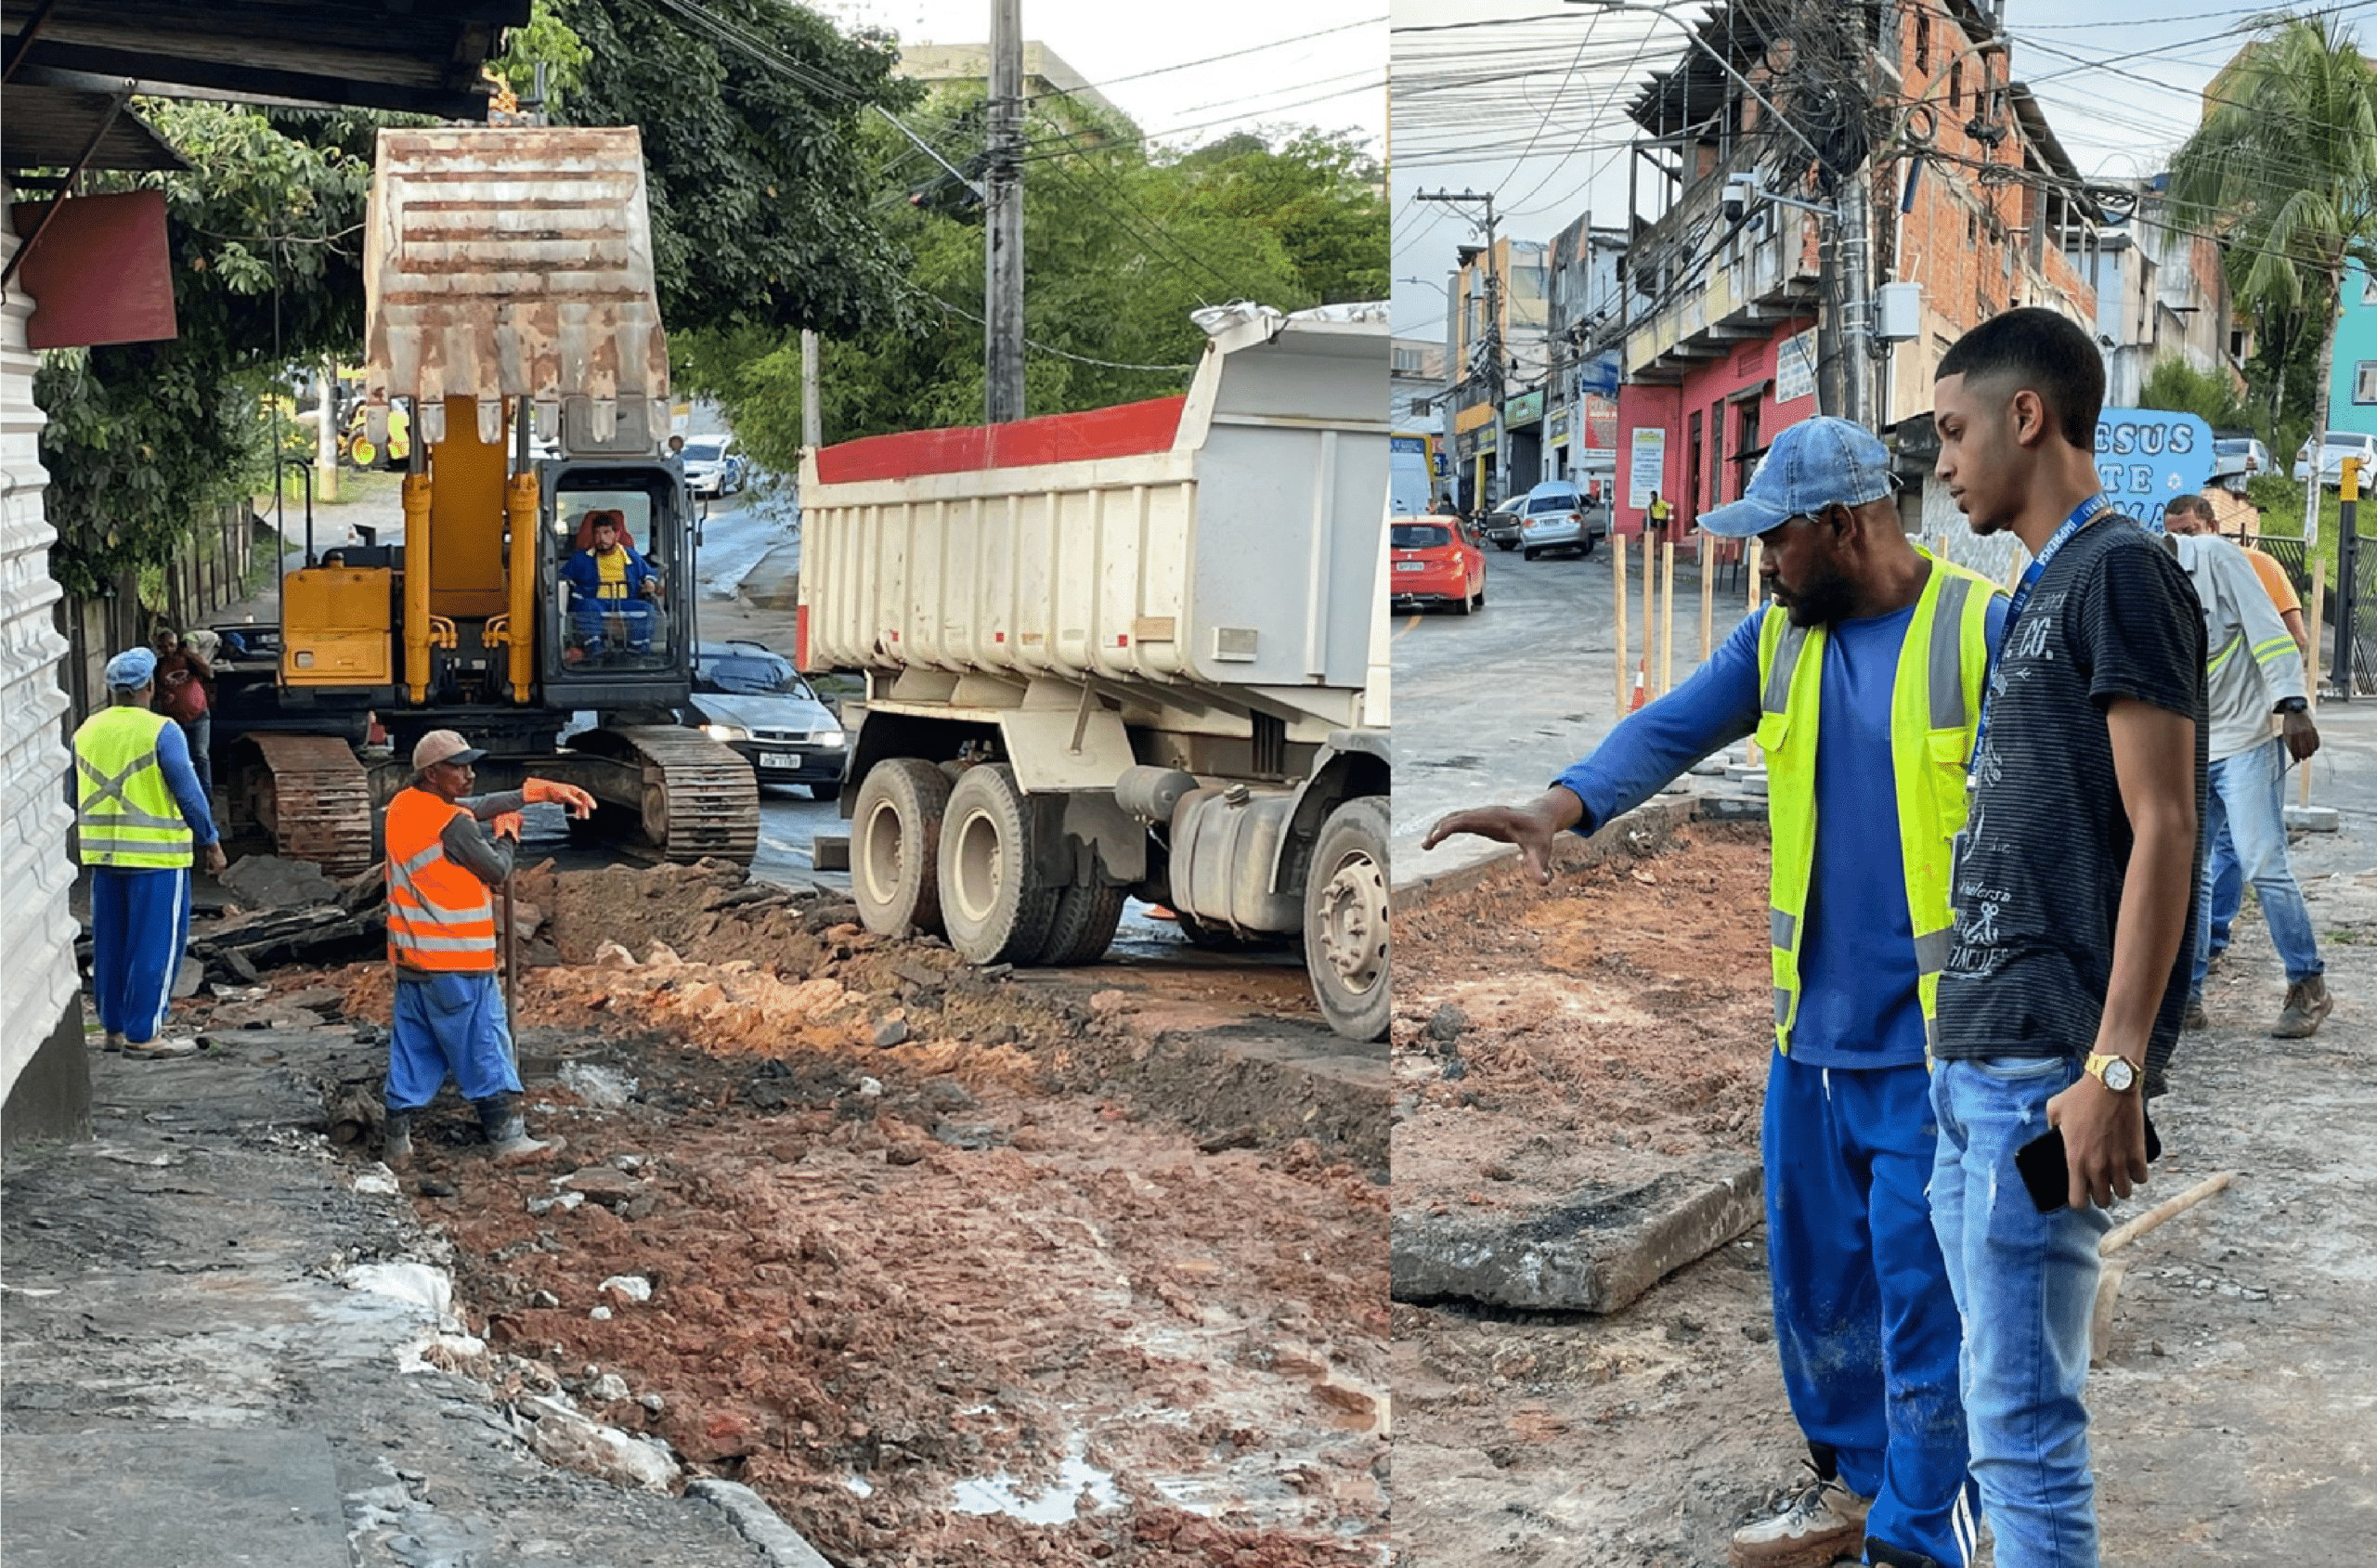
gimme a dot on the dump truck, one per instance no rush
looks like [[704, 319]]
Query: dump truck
[[1137, 651], [508, 291]]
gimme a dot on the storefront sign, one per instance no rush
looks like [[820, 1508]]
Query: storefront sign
[[1523, 409], [1646, 469], [1795, 367], [1555, 427], [2146, 456]]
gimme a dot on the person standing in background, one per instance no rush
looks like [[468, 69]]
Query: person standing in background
[[185, 694], [139, 821]]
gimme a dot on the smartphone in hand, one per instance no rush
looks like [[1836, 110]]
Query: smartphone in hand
[[2047, 1172]]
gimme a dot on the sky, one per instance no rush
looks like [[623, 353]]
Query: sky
[[1531, 104], [1332, 74]]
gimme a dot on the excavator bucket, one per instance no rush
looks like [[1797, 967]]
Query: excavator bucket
[[516, 263]]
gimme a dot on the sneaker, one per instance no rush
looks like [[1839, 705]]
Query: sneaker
[[2194, 1018], [2308, 1002], [112, 1042], [1820, 1526], [182, 1045]]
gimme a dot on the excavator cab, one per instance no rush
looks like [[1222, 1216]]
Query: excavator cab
[[618, 599]]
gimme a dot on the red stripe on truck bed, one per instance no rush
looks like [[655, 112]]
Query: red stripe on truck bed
[[1096, 433]]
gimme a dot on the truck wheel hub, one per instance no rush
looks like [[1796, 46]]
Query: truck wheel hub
[[1352, 921]]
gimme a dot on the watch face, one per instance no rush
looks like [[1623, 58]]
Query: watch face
[[2120, 1075]]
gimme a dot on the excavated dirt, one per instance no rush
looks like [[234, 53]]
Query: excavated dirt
[[1587, 1036], [937, 1301]]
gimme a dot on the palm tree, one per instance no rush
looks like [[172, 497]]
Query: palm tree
[[2284, 169]]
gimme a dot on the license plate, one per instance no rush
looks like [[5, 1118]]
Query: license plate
[[779, 759], [1411, 565]]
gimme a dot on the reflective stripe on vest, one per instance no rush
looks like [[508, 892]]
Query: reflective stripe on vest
[[1935, 702], [439, 915], [125, 815]]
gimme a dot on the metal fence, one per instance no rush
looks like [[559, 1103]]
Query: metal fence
[[2348, 617]]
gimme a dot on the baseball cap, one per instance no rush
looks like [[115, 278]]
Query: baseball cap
[[443, 745], [132, 669], [1813, 464]]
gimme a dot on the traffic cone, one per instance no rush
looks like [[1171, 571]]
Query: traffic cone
[[1637, 705]]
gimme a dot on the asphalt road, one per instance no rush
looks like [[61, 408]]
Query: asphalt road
[[1490, 708]]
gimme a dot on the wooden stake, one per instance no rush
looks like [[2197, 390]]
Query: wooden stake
[[1756, 554], [1666, 617], [1618, 577], [1708, 604], [2311, 670], [1650, 614], [2101, 1317]]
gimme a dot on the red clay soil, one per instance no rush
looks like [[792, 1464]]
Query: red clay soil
[[1607, 1026], [879, 1274]]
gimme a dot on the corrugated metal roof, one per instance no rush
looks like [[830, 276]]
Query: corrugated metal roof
[[511, 263]]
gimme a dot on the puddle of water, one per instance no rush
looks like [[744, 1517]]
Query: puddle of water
[[1003, 1494]]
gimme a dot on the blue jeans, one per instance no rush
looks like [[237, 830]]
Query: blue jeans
[[2227, 880], [1863, 1324], [2025, 1283], [2246, 801]]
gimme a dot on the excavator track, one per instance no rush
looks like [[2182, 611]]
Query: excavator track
[[700, 798], [316, 801]]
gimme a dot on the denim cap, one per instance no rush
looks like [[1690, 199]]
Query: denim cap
[[132, 669], [1816, 464]]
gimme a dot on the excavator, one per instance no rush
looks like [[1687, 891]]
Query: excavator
[[507, 293]]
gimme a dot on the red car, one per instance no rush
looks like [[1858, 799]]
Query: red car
[[1436, 561]]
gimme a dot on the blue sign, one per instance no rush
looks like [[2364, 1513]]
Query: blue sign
[[2146, 456], [1601, 374], [1406, 443]]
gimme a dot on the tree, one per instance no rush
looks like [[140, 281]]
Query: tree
[[753, 114], [1121, 244], [2177, 385], [142, 438], [2285, 167]]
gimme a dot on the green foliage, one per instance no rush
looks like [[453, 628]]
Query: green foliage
[[758, 185], [2179, 386], [2285, 169], [1120, 246], [546, 41], [142, 438]]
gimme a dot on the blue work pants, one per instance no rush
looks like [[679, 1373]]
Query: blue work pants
[[139, 925], [448, 1025], [1864, 1319]]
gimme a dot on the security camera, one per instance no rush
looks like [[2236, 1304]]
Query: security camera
[[1740, 191]]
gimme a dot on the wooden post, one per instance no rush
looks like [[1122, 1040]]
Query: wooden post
[[2311, 666], [1708, 602], [1618, 577], [1666, 617], [1756, 554], [1650, 614]]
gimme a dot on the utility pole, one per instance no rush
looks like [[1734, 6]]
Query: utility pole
[[1493, 330], [1003, 227], [813, 418]]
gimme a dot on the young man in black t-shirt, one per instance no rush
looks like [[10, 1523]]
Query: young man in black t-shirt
[[2074, 891]]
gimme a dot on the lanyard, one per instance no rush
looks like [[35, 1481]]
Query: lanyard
[[2082, 516]]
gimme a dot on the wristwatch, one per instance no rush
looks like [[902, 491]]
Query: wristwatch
[[2117, 1073], [2292, 705]]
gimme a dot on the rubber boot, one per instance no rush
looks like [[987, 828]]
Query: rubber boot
[[508, 1142], [396, 1145]]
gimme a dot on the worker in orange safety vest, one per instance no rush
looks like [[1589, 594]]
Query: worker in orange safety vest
[[449, 1018]]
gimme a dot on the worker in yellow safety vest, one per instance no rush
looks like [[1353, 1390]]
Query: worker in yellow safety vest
[[140, 819], [449, 1019], [1861, 682]]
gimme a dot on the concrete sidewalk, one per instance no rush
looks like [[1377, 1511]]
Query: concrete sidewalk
[[212, 1332]]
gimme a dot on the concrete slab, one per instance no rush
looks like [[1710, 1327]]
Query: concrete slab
[[141, 1499], [1594, 1251]]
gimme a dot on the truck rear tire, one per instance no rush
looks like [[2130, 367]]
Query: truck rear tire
[[1345, 920], [994, 904], [895, 846], [1083, 928]]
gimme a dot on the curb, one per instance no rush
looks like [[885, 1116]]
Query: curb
[[758, 1523], [1595, 1250]]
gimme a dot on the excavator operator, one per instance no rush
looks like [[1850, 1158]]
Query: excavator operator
[[612, 588]]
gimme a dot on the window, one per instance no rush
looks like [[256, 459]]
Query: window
[[1972, 229], [1957, 86], [1922, 42], [2364, 381], [1407, 361]]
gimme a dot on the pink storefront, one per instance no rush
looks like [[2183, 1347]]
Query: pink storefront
[[1707, 429]]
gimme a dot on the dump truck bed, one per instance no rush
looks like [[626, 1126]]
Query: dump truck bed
[[1226, 539]]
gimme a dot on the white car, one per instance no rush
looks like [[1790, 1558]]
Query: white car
[[2335, 446], [2238, 457], [713, 467]]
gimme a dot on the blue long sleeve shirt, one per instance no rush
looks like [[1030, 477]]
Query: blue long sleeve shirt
[[173, 756], [1859, 1006]]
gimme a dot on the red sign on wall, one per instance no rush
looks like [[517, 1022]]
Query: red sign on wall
[[1600, 422], [98, 272]]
